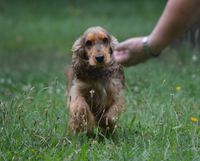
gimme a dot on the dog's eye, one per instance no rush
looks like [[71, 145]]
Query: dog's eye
[[105, 40], [88, 44]]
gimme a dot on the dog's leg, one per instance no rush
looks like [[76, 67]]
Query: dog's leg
[[109, 119], [81, 118]]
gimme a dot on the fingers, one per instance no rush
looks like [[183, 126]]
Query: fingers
[[121, 56], [129, 52], [120, 50]]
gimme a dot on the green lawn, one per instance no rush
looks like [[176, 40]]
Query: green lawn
[[161, 95]]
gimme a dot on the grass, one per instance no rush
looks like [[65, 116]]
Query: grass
[[161, 95]]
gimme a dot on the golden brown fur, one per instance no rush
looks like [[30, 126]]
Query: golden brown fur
[[95, 83]]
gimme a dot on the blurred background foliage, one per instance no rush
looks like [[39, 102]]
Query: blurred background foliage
[[54, 25]]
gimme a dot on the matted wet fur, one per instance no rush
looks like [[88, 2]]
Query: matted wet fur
[[95, 83]]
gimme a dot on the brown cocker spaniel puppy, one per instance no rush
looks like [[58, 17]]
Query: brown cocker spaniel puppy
[[95, 83]]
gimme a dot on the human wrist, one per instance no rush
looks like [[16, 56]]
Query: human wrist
[[150, 49], [157, 43]]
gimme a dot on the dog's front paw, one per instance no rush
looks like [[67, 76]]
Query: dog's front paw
[[78, 121], [81, 119], [108, 123]]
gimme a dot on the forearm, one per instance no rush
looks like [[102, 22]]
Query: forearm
[[176, 18]]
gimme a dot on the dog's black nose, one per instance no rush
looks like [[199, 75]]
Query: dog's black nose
[[99, 59]]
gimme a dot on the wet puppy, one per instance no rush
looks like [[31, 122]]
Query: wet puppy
[[95, 83]]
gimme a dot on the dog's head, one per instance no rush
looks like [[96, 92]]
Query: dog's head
[[95, 47]]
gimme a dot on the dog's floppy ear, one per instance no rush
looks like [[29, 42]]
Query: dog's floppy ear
[[78, 55], [113, 43], [78, 49]]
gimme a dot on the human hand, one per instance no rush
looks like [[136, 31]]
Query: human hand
[[130, 52]]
